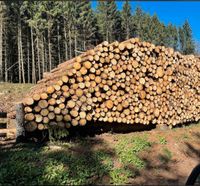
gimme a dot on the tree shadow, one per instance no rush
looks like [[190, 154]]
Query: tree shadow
[[193, 150], [95, 128], [87, 161], [164, 171]]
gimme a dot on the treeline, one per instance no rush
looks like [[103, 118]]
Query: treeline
[[37, 36]]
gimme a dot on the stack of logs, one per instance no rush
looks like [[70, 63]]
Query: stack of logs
[[130, 82]]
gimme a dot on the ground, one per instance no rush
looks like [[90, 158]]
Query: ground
[[10, 94], [147, 157]]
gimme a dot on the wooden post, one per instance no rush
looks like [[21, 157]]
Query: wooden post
[[20, 132]]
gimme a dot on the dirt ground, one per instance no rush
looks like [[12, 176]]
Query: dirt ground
[[10, 94], [183, 143]]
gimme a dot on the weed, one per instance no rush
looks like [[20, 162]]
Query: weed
[[120, 176], [128, 151], [162, 140]]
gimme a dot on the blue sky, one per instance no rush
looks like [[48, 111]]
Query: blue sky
[[170, 12]]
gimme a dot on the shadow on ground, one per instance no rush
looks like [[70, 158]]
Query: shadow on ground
[[92, 128]]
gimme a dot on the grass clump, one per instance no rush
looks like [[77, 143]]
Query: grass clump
[[162, 140], [128, 151], [120, 176]]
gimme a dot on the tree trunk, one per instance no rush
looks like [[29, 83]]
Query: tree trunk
[[66, 47], [42, 53], [84, 42], [1, 43], [70, 44], [19, 53], [28, 61], [75, 44], [49, 48], [38, 57], [33, 58], [45, 56], [6, 65], [58, 38]]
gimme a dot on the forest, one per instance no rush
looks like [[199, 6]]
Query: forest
[[37, 36]]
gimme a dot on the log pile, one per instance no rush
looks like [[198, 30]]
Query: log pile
[[130, 82]]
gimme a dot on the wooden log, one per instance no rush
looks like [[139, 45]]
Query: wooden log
[[28, 101], [36, 97], [29, 117], [30, 126], [43, 104]]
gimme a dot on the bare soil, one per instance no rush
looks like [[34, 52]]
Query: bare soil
[[10, 94]]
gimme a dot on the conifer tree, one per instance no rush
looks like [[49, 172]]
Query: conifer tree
[[108, 18], [187, 45], [137, 21], [87, 25], [171, 36], [127, 20]]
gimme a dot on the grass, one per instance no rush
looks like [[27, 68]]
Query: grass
[[62, 163], [128, 150], [120, 176], [162, 140]]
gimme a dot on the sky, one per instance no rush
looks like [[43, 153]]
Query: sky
[[170, 12]]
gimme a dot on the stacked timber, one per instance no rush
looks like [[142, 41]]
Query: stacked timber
[[130, 82]]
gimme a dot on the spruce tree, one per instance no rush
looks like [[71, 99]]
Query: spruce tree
[[126, 20], [108, 20], [87, 24], [187, 45], [171, 36]]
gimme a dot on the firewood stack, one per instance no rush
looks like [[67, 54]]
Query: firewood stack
[[130, 82]]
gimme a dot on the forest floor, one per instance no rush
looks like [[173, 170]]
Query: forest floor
[[10, 94], [152, 157]]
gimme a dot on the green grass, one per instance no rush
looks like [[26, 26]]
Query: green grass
[[128, 150], [162, 140], [120, 176]]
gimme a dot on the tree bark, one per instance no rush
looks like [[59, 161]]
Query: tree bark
[[70, 44], [6, 65], [58, 38], [1, 43], [21, 55], [66, 46], [38, 57], [20, 132], [33, 58], [43, 54], [28, 61], [49, 48]]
